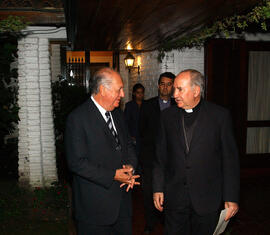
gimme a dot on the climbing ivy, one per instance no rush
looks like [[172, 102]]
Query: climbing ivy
[[9, 33], [8, 88], [225, 27], [12, 25]]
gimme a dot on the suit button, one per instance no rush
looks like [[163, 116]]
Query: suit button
[[188, 167], [185, 183]]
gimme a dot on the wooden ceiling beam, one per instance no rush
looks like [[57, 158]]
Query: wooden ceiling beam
[[110, 25]]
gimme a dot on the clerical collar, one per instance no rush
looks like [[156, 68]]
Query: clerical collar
[[189, 110], [164, 101], [195, 109], [163, 104]]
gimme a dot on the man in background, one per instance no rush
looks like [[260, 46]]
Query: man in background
[[148, 128]]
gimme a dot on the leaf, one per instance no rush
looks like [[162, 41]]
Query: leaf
[[263, 25], [226, 27]]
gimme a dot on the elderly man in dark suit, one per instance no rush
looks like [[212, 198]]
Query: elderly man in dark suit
[[197, 165], [148, 127], [101, 157]]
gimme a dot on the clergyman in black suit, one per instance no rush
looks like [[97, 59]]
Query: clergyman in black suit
[[196, 172], [148, 126], [101, 157]]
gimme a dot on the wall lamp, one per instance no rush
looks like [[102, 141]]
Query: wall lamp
[[129, 62]]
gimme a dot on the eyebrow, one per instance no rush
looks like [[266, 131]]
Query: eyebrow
[[166, 83]]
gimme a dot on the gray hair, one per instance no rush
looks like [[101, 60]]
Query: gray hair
[[101, 77], [196, 79]]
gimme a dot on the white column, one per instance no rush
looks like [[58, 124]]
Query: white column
[[31, 165], [37, 163], [46, 115], [23, 141]]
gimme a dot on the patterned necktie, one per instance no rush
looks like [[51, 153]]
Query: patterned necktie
[[110, 125]]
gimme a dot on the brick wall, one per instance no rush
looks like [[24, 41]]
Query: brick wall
[[151, 68], [37, 163]]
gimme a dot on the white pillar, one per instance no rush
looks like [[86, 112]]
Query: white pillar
[[46, 114], [37, 158]]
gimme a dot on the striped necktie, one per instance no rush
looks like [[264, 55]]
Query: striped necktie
[[110, 125]]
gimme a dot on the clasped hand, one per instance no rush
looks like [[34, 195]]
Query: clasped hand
[[126, 177]]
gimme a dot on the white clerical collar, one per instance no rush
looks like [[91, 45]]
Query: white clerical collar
[[189, 110], [165, 101]]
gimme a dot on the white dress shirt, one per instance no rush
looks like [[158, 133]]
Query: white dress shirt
[[103, 111]]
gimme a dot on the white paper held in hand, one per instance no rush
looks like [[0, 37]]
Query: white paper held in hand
[[222, 224]]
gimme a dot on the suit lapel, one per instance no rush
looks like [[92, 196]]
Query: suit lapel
[[100, 122]]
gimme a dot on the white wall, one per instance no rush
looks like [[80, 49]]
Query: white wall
[[151, 68]]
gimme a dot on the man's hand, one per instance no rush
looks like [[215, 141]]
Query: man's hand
[[132, 179], [132, 182], [158, 200], [128, 178], [123, 175], [129, 167], [232, 209]]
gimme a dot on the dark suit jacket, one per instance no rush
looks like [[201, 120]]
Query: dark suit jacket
[[93, 158], [132, 114], [211, 169], [148, 129]]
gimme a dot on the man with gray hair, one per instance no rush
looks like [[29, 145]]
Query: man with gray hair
[[101, 157], [197, 167]]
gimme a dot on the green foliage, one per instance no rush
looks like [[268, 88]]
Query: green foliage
[[9, 32], [225, 27], [12, 24], [8, 88], [65, 98]]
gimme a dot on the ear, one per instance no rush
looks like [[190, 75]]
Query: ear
[[102, 90], [197, 91]]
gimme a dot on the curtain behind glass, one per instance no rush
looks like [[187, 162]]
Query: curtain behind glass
[[258, 139]]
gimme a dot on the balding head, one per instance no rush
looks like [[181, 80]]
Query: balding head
[[196, 79], [107, 88], [101, 77], [187, 88]]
